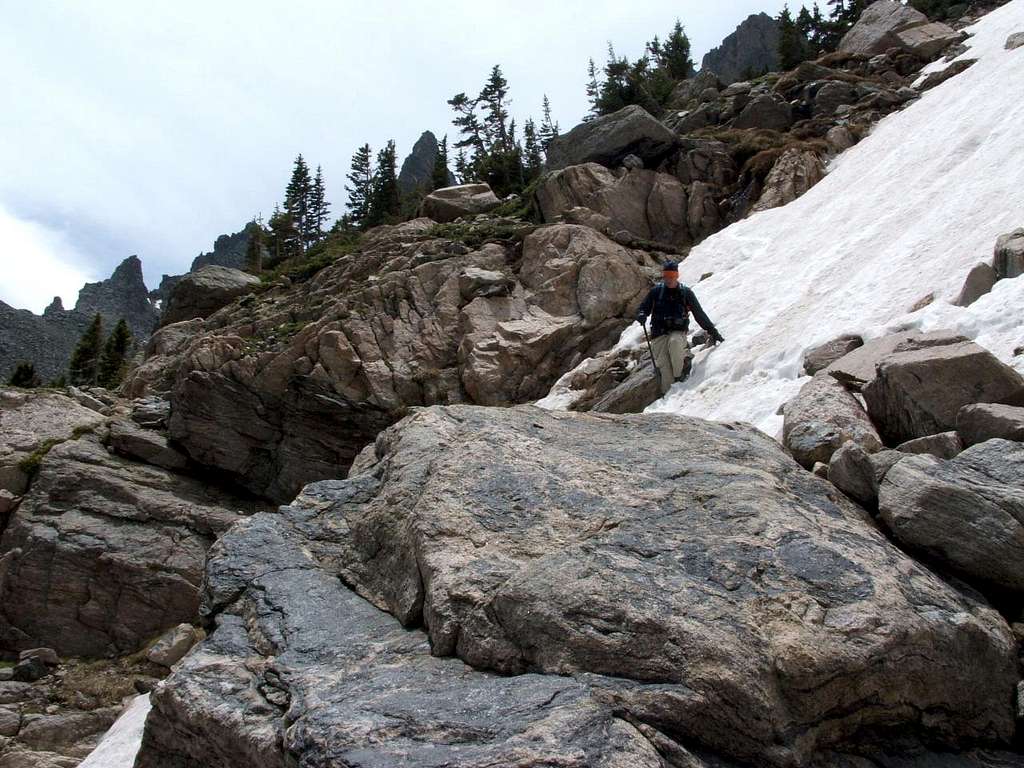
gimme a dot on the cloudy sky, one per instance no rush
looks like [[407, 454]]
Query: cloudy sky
[[150, 128]]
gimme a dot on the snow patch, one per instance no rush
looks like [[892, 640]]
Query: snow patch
[[121, 743], [902, 216]]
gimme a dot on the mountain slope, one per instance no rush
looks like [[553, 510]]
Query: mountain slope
[[906, 213]]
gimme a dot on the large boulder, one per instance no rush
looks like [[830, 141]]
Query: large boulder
[[856, 368], [451, 203], [765, 112], [822, 417], [637, 600], [103, 554], [985, 421], [966, 514], [648, 205], [288, 389], [888, 24], [155, 375], [795, 172], [200, 294], [919, 392], [608, 139], [979, 281]]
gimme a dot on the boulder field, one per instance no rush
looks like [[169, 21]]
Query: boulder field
[[481, 592]]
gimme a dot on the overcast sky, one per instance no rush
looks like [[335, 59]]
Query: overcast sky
[[150, 128]]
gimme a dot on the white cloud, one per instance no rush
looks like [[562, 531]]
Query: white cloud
[[37, 264], [152, 128]]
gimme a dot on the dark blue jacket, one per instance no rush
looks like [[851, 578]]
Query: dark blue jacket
[[664, 304]]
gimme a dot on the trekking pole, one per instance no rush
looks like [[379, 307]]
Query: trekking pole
[[650, 349]]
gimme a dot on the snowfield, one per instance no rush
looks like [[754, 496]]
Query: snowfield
[[121, 744], [904, 214]]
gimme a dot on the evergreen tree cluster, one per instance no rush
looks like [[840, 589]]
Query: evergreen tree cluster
[[298, 223], [373, 194], [648, 81], [811, 34], [98, 363], [24, 375], [490, 148]]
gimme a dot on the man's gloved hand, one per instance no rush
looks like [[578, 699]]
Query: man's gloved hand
[[714, 338], [641, 318]]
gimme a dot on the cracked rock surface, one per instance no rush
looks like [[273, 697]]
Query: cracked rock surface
[[681, 592]]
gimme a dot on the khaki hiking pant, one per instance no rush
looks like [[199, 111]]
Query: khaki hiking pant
[[670, 353]]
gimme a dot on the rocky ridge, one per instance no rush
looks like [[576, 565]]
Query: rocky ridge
[[750, 51], [48, 340]]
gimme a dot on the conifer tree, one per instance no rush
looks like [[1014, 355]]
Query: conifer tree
[[361, 189], [533, 156], [114, 357], [256, 245], [790, 50], [385, 199], [439, 177], [494, 98], [84, 367], [548, 130], [674, 54], [462, 169], [285, 238], [25, 376], [319, 208], [297, 200], [473, 135], [593, 90]]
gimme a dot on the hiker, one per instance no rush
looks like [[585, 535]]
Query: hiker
[[669, 304]]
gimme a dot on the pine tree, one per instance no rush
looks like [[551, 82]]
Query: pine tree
[[319, 208], [439, 178], [674, 54], [256, 245], [361, 179], [114, 358], [84, 367], [472, 131], [297, 200], [533, 156], [548, 130], [24, 376], [790, 50], [593, 90], [462, 169], [385, 199], [285, 239], [494, 99]]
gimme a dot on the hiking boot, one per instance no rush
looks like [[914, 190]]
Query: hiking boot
[[687, 367]]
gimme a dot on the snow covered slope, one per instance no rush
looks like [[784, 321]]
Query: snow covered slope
[[904, 214], [121, 743]]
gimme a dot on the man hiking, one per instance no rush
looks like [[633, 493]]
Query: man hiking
[[669, 304]]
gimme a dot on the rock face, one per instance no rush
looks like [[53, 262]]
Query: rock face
[[646, 600], [48, 340], [888, 24], [607, 140], [418, 168], [648, 205], [750, 51], [794, 173], [450, 203], [30, 423], [966, 513], [200, 294], [985, 421], [1009, 260], [103, 554], [821, 418], [289, 388], [919, 393]]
